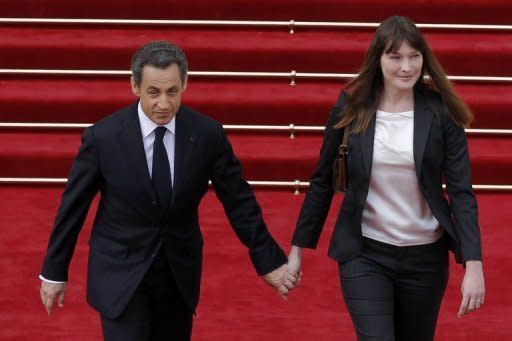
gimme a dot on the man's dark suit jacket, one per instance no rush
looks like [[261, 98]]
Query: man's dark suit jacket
[[440, 151], [130, 226]]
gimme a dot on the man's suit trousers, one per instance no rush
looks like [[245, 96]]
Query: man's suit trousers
[[156, 312]]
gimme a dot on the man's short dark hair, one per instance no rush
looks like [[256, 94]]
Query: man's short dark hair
[[160, 54]]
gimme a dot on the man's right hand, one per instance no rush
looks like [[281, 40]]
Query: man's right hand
[[51, 292], [281, 280]]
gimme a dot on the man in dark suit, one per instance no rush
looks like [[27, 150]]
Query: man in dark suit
[[151, 162]]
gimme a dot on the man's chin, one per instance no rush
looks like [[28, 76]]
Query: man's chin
[[162, 120]]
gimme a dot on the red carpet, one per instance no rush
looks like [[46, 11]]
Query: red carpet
[[214, 48], [263, 156], [231, 101], [438, 11], [235, 303]]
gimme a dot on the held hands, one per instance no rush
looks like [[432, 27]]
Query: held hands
[[473, 288], [51, 292], [281, 280], [288, 276]]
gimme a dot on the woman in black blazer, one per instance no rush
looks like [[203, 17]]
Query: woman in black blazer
[[395, 225]]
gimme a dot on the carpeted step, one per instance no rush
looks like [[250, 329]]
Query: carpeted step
[[235, 304], [263, 156], [439, 11], [231, 101], [216, 49]]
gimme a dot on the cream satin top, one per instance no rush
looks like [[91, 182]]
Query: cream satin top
[[396, 211]]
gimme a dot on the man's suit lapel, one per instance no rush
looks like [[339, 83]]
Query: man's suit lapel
[[133, 149], [422, 122], [185, 141]]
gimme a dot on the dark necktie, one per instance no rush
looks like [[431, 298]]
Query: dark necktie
[[161, 174]]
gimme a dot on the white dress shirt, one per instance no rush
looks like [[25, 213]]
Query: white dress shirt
[[147, 129], [396, 211]]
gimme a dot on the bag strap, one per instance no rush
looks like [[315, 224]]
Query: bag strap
[[344, 144]]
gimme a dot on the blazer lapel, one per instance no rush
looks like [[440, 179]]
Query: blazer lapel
[[133, 148], [422, 122], [367, 139], [185, 141]]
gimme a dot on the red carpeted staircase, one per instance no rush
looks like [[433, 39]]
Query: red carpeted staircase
[[76, 72]]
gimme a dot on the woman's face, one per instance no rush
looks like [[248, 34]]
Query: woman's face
[[401, 69]]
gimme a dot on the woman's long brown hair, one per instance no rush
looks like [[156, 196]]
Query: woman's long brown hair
[[364, 91]]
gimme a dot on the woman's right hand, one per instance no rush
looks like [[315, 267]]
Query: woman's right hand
[[295, 263]]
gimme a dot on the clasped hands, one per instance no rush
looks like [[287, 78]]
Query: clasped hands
[[288, 276]]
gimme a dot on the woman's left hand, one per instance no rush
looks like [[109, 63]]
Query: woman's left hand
[[473, 288]]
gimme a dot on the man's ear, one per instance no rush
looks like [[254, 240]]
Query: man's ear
[[135, 87], [185, 83]]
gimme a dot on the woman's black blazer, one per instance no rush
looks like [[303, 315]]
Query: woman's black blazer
[[440, 153]]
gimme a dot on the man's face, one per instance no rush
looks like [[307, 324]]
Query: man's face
[[160, 92]]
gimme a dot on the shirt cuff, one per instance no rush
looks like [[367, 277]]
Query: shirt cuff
[[49, 281]]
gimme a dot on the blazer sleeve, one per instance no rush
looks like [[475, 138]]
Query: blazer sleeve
[[83, 184], [457, 172], [320, 193], [242, 209]]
